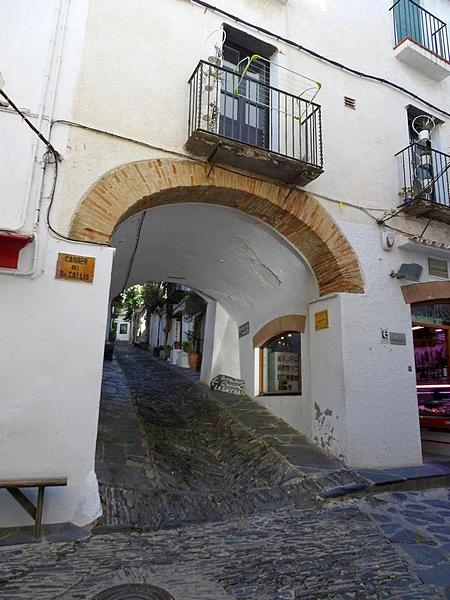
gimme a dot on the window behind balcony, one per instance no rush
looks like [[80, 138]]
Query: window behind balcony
[[245, 97]]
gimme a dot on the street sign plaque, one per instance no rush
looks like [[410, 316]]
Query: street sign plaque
[[73, 267], [321, 320]]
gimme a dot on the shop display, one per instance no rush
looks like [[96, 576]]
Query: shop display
[[281, 364], [284, 371]]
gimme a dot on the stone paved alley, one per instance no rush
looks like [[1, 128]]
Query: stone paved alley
[[196, 504]]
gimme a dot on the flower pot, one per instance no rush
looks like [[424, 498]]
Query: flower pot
[[424, 136], [163, 354], [183, 360], [195, 360]]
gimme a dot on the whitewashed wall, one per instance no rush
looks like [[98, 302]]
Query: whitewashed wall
[[126, 72], [51, 357]]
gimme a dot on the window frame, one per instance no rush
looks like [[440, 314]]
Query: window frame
[[260, 349]]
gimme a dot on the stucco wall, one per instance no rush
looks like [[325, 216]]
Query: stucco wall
[[51, 361], [352, 172], [53, 331]]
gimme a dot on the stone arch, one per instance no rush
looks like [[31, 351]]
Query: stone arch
[[296, 215], [427, 291], [278, 326]]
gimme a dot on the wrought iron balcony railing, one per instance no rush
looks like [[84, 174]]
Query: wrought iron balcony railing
[[425, 179], [231, 111], [413, 22]]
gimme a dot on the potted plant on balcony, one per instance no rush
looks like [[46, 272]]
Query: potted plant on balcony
[[423, 125]]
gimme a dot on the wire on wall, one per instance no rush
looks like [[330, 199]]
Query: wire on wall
[[320, 57]]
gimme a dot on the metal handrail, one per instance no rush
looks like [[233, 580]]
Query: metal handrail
[[424, 179], [222, 103], [417, 144], [245, 78], [422, 27], [422, 9]]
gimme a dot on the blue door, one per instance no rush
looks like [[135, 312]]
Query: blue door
[[408, 21]]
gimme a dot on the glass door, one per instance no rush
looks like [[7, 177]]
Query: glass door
[[244, 100]]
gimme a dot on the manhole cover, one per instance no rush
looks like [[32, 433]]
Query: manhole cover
[[134, 591]]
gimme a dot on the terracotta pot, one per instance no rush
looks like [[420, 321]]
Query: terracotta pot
[[195, 360]]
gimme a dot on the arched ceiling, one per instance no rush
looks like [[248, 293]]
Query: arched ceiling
[[228, 255]]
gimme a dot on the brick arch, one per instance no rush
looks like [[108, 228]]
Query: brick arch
[[296, 215], [426, 292], [278, 326]]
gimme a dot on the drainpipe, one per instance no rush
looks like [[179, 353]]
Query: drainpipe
[[56, 44]]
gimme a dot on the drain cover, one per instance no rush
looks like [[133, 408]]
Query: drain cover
[[134, 591]]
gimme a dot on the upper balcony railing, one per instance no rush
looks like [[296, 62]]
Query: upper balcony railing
[[245, 121], [425, 181], [413, 22]]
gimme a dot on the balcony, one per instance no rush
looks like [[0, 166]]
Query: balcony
[[243, 122], [425, 182], [421, 39]]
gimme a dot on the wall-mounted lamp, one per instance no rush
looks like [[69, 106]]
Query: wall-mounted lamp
[[411, 272]]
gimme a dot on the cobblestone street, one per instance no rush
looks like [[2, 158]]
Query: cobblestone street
[[196, 504]]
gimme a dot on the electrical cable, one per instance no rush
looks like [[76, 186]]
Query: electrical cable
[[320, 57], [186, 156], [53, 231], [196, 160], [31, 126]]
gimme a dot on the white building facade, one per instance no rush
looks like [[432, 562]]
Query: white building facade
[[282, 178], [123, 328]]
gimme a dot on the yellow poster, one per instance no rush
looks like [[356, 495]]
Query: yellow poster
[[321, 320]]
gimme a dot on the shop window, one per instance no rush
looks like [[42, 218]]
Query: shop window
[[281, 365], [438, 267], [123, 328]]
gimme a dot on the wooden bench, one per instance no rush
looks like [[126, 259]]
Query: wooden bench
[[13, 486]]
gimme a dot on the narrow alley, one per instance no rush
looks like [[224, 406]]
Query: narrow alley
[[197, 507]]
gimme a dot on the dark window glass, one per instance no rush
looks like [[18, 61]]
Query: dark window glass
[[281, 365], [123, 328]]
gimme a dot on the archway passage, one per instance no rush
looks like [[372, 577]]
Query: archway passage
[[296, 215]]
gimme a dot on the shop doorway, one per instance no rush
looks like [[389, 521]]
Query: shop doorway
[[431, 337]]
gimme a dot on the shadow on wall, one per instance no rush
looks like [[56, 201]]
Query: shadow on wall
[[225, 358]]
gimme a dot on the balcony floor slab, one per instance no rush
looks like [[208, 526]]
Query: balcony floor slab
[[269, 165], [422, 59], [428, 210]]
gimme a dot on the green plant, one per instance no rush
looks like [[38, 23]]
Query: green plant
[[131, 300], [187, 347], [407, 192], [193, 305]]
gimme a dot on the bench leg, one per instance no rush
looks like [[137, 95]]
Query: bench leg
[[39, 511]]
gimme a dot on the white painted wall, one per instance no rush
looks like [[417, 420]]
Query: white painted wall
[[137, 87], [352, 173], [51, 360], [221, 346]]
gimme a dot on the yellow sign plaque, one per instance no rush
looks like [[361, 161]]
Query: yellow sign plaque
[[75, 268], [321, 320]]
